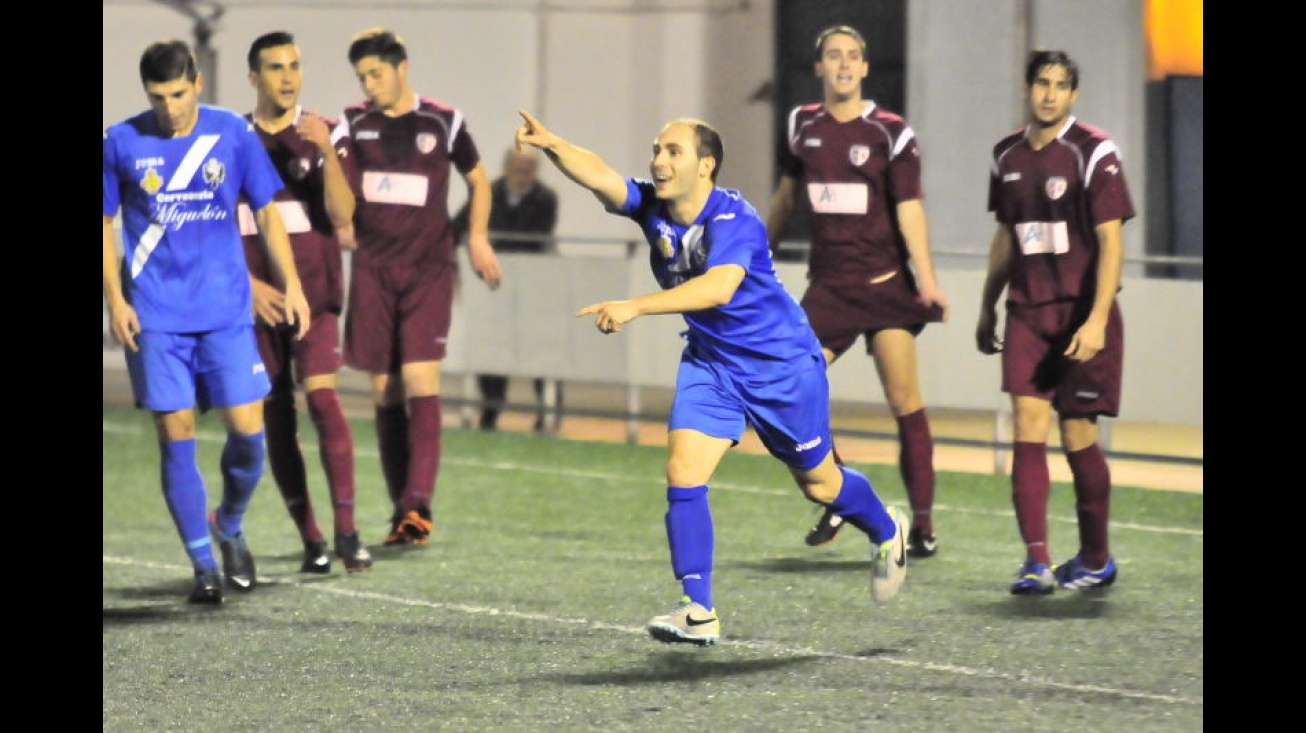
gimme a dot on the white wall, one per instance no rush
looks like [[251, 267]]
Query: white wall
[[526, 329], [607, 73]]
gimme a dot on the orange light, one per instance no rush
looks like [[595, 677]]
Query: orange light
[[1174, 37]]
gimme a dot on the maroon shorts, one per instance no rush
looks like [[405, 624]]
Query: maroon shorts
[[839, 313], [1033, 364], [398, 315], [317, 353]]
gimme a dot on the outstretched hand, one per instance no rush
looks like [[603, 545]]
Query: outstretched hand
[[532, 132], [610, 315]]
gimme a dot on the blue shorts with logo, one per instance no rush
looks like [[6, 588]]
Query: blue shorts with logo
[[179, 371], [791, 415]]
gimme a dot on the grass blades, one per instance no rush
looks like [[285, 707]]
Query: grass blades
[[526, 610]]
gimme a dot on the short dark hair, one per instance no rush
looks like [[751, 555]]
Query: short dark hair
[[265, 41], [709, 142], [846, 30], [377, 42], [1040, 57], [163, 61]]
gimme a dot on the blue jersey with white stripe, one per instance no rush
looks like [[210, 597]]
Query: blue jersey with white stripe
[[762, 333], [184, 268]]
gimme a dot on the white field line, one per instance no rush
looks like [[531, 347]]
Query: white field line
[[762, 646]]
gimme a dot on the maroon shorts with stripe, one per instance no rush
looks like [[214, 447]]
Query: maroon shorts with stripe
[[317, 353], [398, 315], [840, 312], [1033, 364]]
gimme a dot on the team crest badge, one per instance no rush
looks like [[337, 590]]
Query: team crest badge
[[665, 247], [298, 169], [151, 181], [859, 154], [214, 172], [1055, 187], [425, 142]]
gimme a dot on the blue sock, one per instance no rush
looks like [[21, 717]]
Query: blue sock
[[691, 538], [858, 503], [242, 467], [187, 500]]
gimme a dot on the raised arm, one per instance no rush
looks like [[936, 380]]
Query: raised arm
[[580, 165], [338, 197]]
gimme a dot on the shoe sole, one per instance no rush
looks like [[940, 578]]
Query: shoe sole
[[672, 635]]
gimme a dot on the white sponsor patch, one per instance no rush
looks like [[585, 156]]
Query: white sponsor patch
[[293, 215], [838, 198], [395, 188], [1043, 237]]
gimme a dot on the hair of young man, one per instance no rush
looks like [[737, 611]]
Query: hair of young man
[[708, 141], [377, 42], [1041, 57], [846, 30], [165, 61], [266, 41]]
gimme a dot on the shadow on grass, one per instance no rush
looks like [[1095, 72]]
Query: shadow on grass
[[680, 666], [1081, 605], [831, 564]]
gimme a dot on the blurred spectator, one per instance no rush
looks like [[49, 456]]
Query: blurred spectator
[[521, 204]]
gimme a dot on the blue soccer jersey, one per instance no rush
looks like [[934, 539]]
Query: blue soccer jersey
[[762, 333], [184, 267]]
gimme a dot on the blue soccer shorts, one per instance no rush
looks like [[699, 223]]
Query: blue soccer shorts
[[791, 415], [179, 371]]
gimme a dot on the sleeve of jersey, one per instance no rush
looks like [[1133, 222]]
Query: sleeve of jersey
[[465, 156], [261, 179], [344, 144], [789, 163], [1108, 191], [635, 191], [111, 201], [905, 167]]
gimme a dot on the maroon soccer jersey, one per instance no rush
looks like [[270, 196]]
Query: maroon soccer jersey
[[855, 174], [1051, 200], [399, 168], [303, 209]]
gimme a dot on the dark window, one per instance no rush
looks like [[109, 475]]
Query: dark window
[[883, 23]]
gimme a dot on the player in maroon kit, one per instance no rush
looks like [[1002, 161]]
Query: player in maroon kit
[[314, 202], [870, 272], [400, 149], [1059, 194]]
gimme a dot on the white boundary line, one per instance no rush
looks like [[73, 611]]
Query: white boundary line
[[763, 646]]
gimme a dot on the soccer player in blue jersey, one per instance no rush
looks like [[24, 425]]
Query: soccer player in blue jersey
[[750, 357], [179, 298]]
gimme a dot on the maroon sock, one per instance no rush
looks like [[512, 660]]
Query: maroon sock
[[837, 458], [392, 444], [1092, 503], [916, 463], [286, 461], [336, 449], [425, 425], [1030, 486]]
